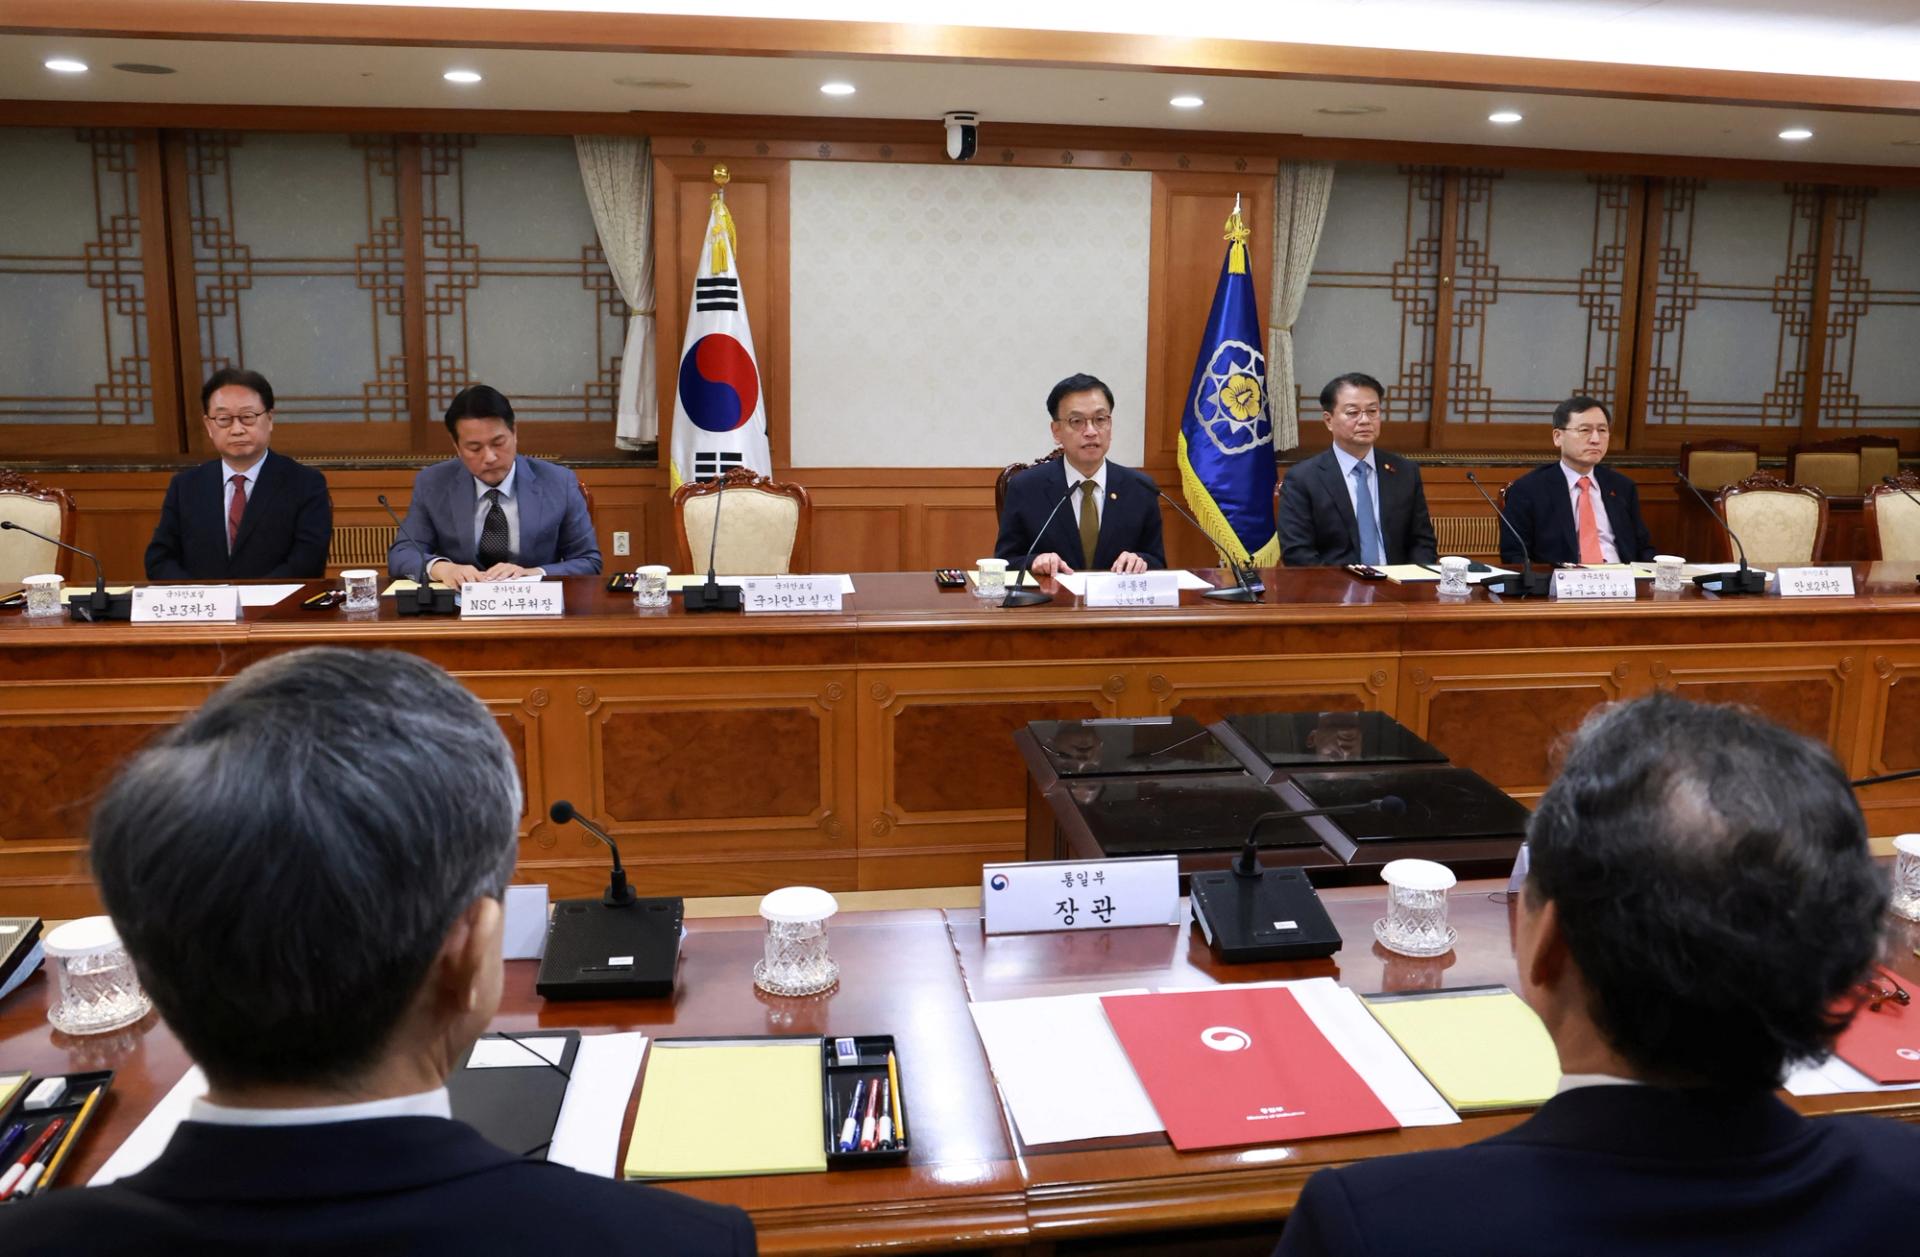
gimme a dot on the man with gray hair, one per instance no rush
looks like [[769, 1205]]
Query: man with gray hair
[[308, 875]]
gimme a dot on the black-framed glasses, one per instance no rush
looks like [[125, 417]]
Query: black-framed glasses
[[245, 418]]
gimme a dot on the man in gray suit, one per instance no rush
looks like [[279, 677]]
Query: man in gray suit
[[490, 514]]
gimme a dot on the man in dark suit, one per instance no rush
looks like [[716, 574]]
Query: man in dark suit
[[1700, 912], [1576, 511], [491, 513], [308, 875], [249, 513], [1112, 523], [1354, 503]]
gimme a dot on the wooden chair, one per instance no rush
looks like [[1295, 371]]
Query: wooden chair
[[766, 531], [359, 546], [1713, 465], [1879, 458], [1892, 519], [1833, 467], [1013, 469], [1778, 522], [43, 509]]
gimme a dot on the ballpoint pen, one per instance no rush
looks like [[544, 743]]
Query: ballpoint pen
[[867, 1123], [883, 1136], [850, 1129]]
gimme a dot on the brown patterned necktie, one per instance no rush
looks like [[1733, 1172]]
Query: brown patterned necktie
[[1089, 521]]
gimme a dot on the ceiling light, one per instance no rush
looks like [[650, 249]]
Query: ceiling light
[[837, 89], [1796, 133], [1186, 102], [142, 67], [66, 65], [461, 76], [652, 84], [1350, 111], [1504, 117]]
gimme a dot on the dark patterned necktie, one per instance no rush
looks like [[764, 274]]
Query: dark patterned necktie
[[493, 534]]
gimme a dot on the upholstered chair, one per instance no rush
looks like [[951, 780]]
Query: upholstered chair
[[765, 527]]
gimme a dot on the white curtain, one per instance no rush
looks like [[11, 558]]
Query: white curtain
[[618, 174], [1299, 212]]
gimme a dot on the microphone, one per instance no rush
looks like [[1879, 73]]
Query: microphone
[[1529, 583], [99, 605], [1246, 582], [619, 893], [1744, 581], [1247, 863], [1016, 595], [713, 596], [426, 600]]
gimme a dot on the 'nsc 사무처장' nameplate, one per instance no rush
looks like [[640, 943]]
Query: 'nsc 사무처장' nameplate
[[500, 599]]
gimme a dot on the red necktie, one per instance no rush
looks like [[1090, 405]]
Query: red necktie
[[1589, 526], [235, 510]]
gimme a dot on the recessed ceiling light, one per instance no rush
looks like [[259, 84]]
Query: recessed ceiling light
[[66, 65], [1504, 117], [1186, 102], [649, 84], [1350, 111], [1796, 133], [141, 67], [461, 76], [837, 89]]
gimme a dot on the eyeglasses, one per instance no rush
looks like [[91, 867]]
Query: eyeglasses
[[1355, 412], [1080, 423], [245, 418], [1877, 995], [1588, 433]]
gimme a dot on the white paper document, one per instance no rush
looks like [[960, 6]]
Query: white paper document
[[1075, 583], [522, 1051], [676, 583], [1834, 1076], [150, 1138], [265, 595]]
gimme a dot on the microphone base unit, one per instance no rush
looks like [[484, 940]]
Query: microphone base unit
[[1521, 585], [100, 607], [1747, 580], [1018, 597], [599, 952], [712, 596], [426, 600], [1274, 915], [1235, 593]]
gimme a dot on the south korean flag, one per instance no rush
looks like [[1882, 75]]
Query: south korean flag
[[719, 411]]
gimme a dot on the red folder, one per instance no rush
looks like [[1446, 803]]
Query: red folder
[[1235, 1066], [1883, 1045]]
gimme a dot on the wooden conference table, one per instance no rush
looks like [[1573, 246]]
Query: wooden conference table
[[872, 748], [970, 1183]]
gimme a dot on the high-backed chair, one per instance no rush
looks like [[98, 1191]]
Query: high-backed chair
[[1893, 519], [765, 530], [1879, 458], [1778, 522], [43, 509], [1010, 471], [1833, 467], [1713, 465]]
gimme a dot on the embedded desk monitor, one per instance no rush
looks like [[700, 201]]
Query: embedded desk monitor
[[1180, 814]]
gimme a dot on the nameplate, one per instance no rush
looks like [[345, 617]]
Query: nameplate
[[792, 593], [186, 604], [1080, 894], [493, 599], [1815, 582], [1141, 589], [1582, 584]]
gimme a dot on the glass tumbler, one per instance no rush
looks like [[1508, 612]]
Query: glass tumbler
[[363, 589], [43, 594], [1416, 920], [1906, 877], [796, 961], [650, 585], [95, 987], [1666, 573]]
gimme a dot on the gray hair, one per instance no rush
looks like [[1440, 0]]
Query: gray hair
[[285, 865]]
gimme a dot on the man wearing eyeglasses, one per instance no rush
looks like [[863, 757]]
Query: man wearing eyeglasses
[[250, 513], [1354, 503], [1111, 522], [1574, 510]]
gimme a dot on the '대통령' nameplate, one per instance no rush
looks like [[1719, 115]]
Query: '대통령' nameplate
[[1583, 583], [791, 593], [186, 604], [1140, 589], [1815, 582], [492, 599], [1080, 894]]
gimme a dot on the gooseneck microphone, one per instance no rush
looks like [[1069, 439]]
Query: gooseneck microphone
[[99, 605], [426, 600], [713, 596], [1246, 580], [1894, 484], [619, 893], [1017, 595], [1744, 581], [1247, 863], [1529, 583]]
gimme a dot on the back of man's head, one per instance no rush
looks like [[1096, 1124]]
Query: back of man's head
[[1711, 877], [286, 864]]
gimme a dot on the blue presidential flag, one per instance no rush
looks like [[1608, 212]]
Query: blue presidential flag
[[719, 410], [1226, 432]]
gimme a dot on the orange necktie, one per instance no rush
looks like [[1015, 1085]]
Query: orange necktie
[[1589, 526]]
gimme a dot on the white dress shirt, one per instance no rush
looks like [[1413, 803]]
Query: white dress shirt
[[1608, 552], [1099, 478], [251, 475], [433, 1103], [1347, 463], [1573, 1082]]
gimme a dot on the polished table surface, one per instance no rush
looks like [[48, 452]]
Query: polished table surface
[[969, 1181]]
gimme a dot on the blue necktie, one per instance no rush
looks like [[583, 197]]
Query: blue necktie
[[1370, 551]]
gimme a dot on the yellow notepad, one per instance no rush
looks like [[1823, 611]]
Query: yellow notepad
[[1481, 1047], [731, 1107]]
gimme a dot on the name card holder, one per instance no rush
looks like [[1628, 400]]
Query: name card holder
[[1591, 584], [492, 600], [1080, 894], [792, 593], [1140, 589], [186, 604], [1815, 582]]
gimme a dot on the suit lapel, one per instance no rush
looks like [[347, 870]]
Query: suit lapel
[[532, 503], [1065, 520], [1109, 507], [1342, 500], [1626, 538], [264, 483], [1562, 507]]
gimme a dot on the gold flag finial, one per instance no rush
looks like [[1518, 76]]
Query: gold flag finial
[[720, 175], [724, 237], [1236, 238]]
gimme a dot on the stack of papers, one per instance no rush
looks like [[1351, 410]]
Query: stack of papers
[[719, 1108], [1075, 583], [1481, 1046], [1415, 573]]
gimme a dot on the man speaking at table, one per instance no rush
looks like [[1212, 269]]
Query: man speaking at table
[[1354, 503], [1575, 510], [1699, 910], [1112, 522], [308, 875], [491, 513]]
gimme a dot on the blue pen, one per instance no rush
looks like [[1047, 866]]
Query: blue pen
[[850, 1130], [11, 1137]]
